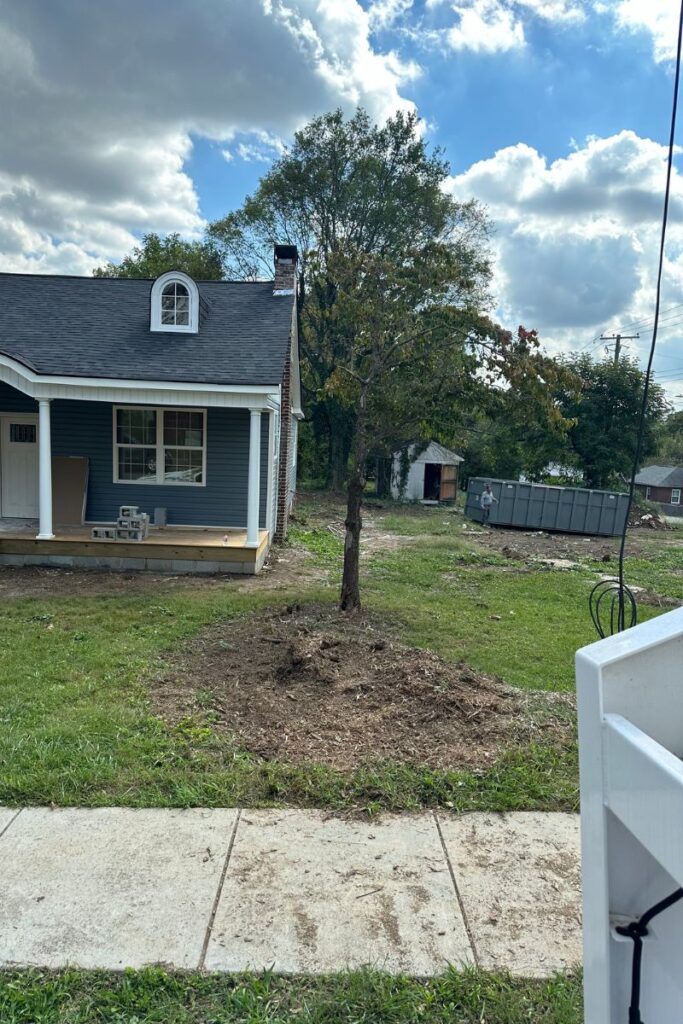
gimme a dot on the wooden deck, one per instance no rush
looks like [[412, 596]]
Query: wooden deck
[[167, 544]]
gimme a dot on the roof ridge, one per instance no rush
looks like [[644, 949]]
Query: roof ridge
[[86, 277]]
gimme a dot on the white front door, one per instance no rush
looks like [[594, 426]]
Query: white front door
[[19, 466]]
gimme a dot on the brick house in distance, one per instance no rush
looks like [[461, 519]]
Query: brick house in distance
[[664, 486]]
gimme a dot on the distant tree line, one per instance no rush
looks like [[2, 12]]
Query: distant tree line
[[601, 410]]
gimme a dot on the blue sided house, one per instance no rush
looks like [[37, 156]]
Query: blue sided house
[[178, 397]]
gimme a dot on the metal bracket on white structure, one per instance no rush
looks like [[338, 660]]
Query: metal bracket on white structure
[[630, 708]]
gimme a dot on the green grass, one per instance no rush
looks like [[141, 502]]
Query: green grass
[[324, 545], [76, 726], [660, 572], [415, 523], [522, 626], [153, 996]]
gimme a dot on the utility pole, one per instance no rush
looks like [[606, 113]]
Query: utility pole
[[617, 339]]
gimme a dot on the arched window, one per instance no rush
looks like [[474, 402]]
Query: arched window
[[175, 304]]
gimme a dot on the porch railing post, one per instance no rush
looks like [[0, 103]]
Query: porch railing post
[[44, 471], [254, 488]]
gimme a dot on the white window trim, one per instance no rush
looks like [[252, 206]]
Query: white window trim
[[160, 446], [677, 492], [155, 310]]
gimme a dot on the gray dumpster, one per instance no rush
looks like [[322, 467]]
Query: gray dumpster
[[539, 507]]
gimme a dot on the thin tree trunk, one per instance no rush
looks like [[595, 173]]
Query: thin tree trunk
[[337, 459], [350, 588]]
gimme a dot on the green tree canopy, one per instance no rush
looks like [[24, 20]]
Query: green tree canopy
[[670, 441], [350, 187], [156, 255], [513, 420], [606, 414]]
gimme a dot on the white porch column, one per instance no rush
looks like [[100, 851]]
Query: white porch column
[[254, 491], [44, 470]]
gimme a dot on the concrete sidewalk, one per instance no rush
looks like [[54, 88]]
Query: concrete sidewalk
[[298, 891]]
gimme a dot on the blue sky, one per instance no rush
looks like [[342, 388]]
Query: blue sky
[[551, 112]]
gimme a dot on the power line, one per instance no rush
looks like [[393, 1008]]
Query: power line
[[646, 322]]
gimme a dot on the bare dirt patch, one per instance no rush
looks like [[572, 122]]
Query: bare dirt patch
[[310, 684], [526, 545]]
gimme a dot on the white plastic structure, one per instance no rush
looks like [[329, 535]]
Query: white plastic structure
[[630, 707]]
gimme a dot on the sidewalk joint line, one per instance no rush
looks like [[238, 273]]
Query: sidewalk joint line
[[458, 897], [219, 892], [10, 822]]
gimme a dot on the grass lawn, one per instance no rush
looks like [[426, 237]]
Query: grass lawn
[[155, 997], [75, 669]]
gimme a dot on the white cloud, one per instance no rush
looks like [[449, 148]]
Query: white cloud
[[96, 120], [577, 238], [495, 26], [555, 10], [384, 13], [486, 26], [658, 17], [256, 147]]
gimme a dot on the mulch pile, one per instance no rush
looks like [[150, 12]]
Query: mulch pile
[[310, 684]]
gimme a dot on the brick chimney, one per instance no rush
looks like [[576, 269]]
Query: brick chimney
[[286, 257]]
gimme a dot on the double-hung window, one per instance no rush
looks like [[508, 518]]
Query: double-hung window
[[159, 446], [675, 495]]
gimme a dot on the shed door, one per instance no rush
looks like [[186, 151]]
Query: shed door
[[449, 476], [19, 466]]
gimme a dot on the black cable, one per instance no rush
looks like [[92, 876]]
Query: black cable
[[621, 594], [610, 589], [636, 931]]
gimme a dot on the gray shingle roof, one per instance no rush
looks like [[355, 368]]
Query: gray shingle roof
[[661, 476], [99, 327]]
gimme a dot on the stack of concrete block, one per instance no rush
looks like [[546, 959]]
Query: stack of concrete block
[[131, 525]]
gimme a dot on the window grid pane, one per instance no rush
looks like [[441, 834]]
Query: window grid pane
[[175, 305], [22, 433], [136, 426], [183, 465], [184, 429], [137, 463]]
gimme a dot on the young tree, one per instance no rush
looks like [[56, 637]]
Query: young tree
[[606, 415], [155, 255], [348, 186], [408, 347]]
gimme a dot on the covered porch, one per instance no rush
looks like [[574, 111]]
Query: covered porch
[[208, 481]]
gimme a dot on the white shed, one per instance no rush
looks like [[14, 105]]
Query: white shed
[[432, 473]]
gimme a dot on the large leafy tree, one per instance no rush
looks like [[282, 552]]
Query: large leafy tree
[[606, 414], [157, 254], [348, 187], [408, 349], [507, 429]]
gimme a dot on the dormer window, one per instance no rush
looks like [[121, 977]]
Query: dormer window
[[175, 304]]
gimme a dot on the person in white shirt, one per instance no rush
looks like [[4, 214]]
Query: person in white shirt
[[486, 501]]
